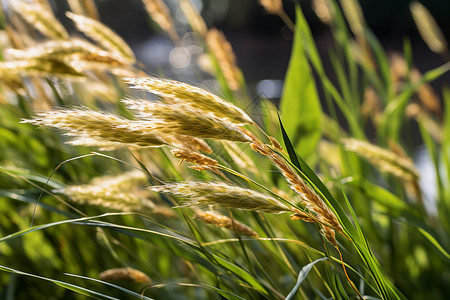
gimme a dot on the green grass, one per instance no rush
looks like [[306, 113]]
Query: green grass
[[392, 246]]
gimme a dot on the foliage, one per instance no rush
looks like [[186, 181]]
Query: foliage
[[187, 197]]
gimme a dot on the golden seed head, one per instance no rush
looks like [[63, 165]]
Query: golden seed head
[[426, 94], [221, 49], [41, 17], [274, 7], [219, 220], [11, 69], [428, 28], [354, 15], [123, 193], [159, 13], [308, 196], [178, 119], [194, 157], [322, 8], [124, 274], [103, 35], [78, 54], [99, 127], [189, 143], [222, 195], [194, 18], [189, 95], [84, 7], [371, 106], [386, 160]]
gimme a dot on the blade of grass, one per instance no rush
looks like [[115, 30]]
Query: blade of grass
[[126, 291], [302, 276], [69, 286]]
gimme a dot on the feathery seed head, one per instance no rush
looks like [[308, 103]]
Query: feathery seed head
[[221, 49], [178, 119], [386, 160], [222, 195], [53, 67], [159, 13], [194, 18], [100, 127], [195, 97], [225, 222], [308, 196], [84, 8], [322, 8], [124, 274], [103, 35], [428, 28], [194, 157], [41, 18], [124, 192], [274, 7], [99, 195], [65, 49], [189, 143]]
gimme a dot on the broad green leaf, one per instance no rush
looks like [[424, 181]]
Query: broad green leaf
[[300, 104]]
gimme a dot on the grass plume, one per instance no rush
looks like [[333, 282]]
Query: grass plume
[[219, 220], [196, 97], [221, 195], [102, 128], [104, 36]]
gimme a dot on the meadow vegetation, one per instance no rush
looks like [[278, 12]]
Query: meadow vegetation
[[117, 184]]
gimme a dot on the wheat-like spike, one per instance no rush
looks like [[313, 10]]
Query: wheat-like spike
[[426, 94], [159, 12], [219, 220], [371, 106], [221, 49], [177, 119], [428, 28], [386, 160], [398, 67], [124, 274], [97, 195], [84, 7], [37, 67], [11, 81], [189, 142], [124, 192], [274, 7], [84, 123], [193, 96], [124, 181], [194, 18], [41, 18], [354, 15], [194, 157], [103, 35], [322, 8], [73, 49], [311, 200], [222, 195]]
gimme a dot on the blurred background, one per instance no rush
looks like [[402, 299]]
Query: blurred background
[[261, 42]]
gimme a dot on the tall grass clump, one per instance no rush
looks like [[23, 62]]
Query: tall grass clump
[[140, 186]]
